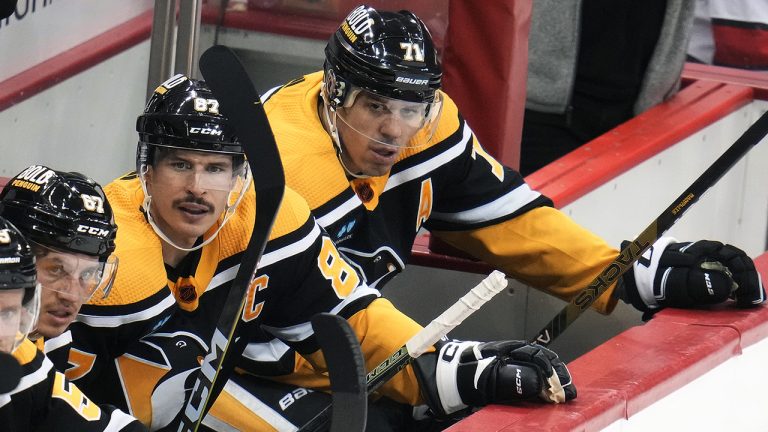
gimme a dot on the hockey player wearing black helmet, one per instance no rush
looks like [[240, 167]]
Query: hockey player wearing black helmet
[[380, 151], [43, 399], [19, 292], [380, 89], [185, 218], [69, 224]]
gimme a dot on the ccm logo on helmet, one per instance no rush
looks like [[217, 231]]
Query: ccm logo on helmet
[[92, 230], [204, 131]]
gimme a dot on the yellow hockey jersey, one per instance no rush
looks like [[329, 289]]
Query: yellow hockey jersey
[[450, 186], [300, 274]]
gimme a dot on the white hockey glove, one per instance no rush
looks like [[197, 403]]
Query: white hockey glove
[[474, 374], [687, 275]]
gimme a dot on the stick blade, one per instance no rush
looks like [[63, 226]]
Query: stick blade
[[346, 367]]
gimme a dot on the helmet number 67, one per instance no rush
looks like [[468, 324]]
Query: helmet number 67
[[92, 203]]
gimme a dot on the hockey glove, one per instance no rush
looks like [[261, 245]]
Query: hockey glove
[[687, 275], [475, 374]]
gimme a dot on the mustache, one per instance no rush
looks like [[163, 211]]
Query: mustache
[[191, 199]]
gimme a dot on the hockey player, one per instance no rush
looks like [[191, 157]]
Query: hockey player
[[185, 217], [69, 224], [379, 152], [44, 400]]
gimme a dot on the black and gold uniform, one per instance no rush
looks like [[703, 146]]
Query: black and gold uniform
[[45, 400], [300, 274], [450, 186]]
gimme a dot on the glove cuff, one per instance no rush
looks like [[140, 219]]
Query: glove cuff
[[448, 361], [638, 285], [426, 369]]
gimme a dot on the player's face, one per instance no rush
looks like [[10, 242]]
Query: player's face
[[189, 192], [375, 130], [10, 317], [68, 280]]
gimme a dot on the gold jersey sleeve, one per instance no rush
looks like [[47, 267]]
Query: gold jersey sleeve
[[544, 248]]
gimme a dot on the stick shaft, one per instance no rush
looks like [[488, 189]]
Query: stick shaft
[[634, 250]]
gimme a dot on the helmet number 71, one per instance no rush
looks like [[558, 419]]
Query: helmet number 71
[[412, 51]]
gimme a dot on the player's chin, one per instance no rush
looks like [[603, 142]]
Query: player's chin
[[52, 327], [377, 170], [379, 166]]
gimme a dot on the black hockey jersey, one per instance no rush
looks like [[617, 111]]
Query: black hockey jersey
[[46, 401], [450, 186]]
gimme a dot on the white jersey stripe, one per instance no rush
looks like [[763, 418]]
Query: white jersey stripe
[[431, 164], [290, 250], [269, 258], [339, 212], [28, 381], [273, 350], [502, 206], [57, 342], [302, 331], [116, 321], [253, 404], [400, 178], [118, 420]]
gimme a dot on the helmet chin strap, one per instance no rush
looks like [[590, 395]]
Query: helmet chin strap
[[329, 121]]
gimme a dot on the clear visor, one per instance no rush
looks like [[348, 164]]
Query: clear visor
[[388, 121], [216, 175], [76, 275], [17, 318]]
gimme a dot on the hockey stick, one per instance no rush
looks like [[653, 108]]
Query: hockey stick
[[240, 102], [418, 344], [634, 250], [346, 369]]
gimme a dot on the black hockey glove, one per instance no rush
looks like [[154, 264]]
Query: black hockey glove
[[687, 275], [475, 374]]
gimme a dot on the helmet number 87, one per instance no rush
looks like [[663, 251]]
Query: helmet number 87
[[207, 105], [412, 51]]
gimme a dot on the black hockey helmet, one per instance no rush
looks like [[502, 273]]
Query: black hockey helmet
[[17, 274], [387, 53], [184, 113], [17, 262], [62, 210]]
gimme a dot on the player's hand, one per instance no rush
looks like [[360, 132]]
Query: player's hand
[[691, 274], [476, 374]]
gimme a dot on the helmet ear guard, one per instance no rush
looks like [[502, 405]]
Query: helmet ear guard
[[334, 89]]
